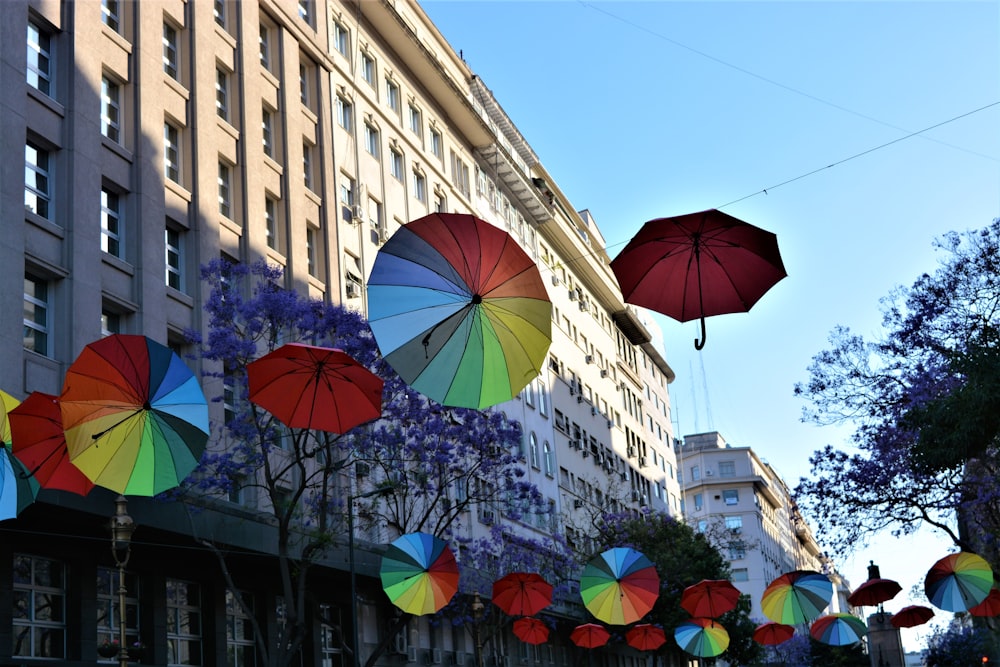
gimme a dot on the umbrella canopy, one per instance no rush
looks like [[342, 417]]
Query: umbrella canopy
[[838, 629], [419, 573], [874, 592], [988, 607], [958, 581], [136, 419], [645, 637], [40, 444], [696, 265], [710, 598], [702, 637], [321, 388], [459, 310], [772, 634], [522, 593], [18, 489], [531, 631], [796, 597], [7, 403], [619, 586], [912, 616], [589, 635]]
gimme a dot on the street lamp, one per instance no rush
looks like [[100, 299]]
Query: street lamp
[[122, 527], [478, 608], [379, 491]]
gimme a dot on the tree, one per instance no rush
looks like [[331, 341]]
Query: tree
[[959, 644], [430, 460]]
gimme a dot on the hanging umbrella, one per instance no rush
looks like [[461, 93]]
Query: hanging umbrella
[[838, 629], [710, 598], [522, 593], [315, 387], [912, 616], [7, 403], [589, 635], [988, 607], [40, 444], [796, 597], [772, 634], [958, 582], [874, 592], [619, 586], [18, 489], [645, 637], [531, 631], [693, 266], [419, 573], [702, 637], [459, 310], [136, 419]]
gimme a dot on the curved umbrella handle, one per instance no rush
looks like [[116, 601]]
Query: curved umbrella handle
[[700, 344]]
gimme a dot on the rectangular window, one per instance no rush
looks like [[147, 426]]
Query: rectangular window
[[39, 609], [271, 222], [107, 606], [396, 164], [171, 153], [111, 227], [304, 83], [727, 468], [219, 11], [265, 46], [307, 175], [240, 648], [416, 122], [174, 260], [345, 114], [419, 186], [740, 574], [39, 70], [341, 39], [392, 95], [225, 190], [698, 502], [737, 550], [371, 141], [266, 124], [183, 623], [111, 14], [305, 10], [311, 251], [731, 496], [347, 192], [37, 178], [436, 143], [695, 473], [170, 57], [734, 523], [36, 314], [111, 323], [368, 69], [459, 174], [111, 109], [222, 93]]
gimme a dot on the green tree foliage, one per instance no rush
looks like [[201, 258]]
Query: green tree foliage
[[960, 644]]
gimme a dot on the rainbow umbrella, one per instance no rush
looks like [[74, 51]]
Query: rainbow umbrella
[[702, 637], [838, 629], [619, 586], [18, 489], [419, 573], [40, 444], [7, 403], [531, 630], [958, 581], [136, 419], [772, 634], [988, 607], [912, 616], [589, 635], [459, 310], [796, 597]]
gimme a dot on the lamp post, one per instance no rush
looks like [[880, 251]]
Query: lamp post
[[122, 527], [477, 614], [380, 491]]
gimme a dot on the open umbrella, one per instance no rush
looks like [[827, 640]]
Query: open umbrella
[[419, 573], [18, 489], [958, 581], [459, 310], [321, 388], [7, 403], [912, 616], [796, 597], [772, 634], [589, 635], [696, 265], [988, 607], [710, 598], [619, 586], [40, 444], [874, 592], [702, 637], [838, 629], [531, 630], [136, 419], [522, 593], [645, 637]]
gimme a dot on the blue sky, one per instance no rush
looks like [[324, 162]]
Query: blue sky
[[642, 110]]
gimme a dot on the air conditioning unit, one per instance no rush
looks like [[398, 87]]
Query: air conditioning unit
[[610, 424], [577, 504], [357, 213], [383, 235], [579, 398], [574, 444], [400, 644], [709, 473], [642, 461], [572, 295], [631, 451], [352, 290], [589, 359], [585, 453], [604, 372], [579, 294], [584, 306], [593, 410], [555, 279]]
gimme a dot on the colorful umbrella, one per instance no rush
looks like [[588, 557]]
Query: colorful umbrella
[[988, 607], [40, 444], [958, 582], [912, 616], [419, 573], [702, 637], [710, 598], [796, 597], [18, 489], [645, 637], [7, 403], [772, 634], [459, 310], [136, 419], [315, 387], [838, 629], [589, 635], [696, 265], [531, 631], [874, 592], [619, 586], [522, 593]]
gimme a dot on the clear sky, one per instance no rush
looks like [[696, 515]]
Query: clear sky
[[642, 110]]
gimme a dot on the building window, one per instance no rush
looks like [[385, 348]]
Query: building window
[[347, 192], [111, 14], [36, 314], [37, 177], [419, 186], [271, 222], [329, 646], [304, 83], [368, 69], [547, 458], [345, 114], [111, 223], [225, 190], [396, 164], [439, 203], [111, 109], [436, 147], [727, 468], [111, 323], [371, 140], [39, 610], [459, 174], [265, 46], [740, 574], [695, 473], [266, 124], [543, 397], [170, 56], [174, 261], [698, 502], [39, 70], [171, 153], [737, 550], [107, 606], [311, 251], [240, 649], [219, 10], [533, 450], [307, 169], [392, 95], [416, 123], [731, 496], [734, 524], [183, 623], [222, 93], [305, 10], [341, 39]]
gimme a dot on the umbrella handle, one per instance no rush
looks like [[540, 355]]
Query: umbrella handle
[[700, 344]]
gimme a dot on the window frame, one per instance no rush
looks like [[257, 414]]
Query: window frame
[[419, 186], [39, 58], [33, 623], [341, 39], [372, 140], [392, 97], [396, 164], [111, 110], [171, 51], [112, 223], [38, 195], [172, 250], [111, 14], [368, 68], [225, 191], [345, 114], [172, 152], [222, 93], [174, 611], [39, 327], [271, 236]]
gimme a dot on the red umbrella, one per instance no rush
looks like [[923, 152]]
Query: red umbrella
[[772, 634], [315, 387], [645, 637], [911, 616], [522, 593], [874, 592], [988, 607], [40, 444], [710, 598], [696, 265], [589, 635], [531, 631]]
